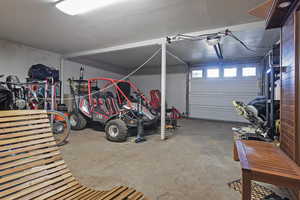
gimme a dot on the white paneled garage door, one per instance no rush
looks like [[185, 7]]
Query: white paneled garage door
[[211, 98]]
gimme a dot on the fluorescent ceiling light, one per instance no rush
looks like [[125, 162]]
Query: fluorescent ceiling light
[[75, 7]]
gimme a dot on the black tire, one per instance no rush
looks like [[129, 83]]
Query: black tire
[[61, 128], [116, 131], [77, 121]]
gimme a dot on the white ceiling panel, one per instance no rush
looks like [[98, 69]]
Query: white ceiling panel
[[39, 24]]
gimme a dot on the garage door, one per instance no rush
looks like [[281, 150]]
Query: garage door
[[211, 98]]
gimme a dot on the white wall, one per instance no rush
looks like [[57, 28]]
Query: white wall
[[72, 70], [176, 88], [16, 59]]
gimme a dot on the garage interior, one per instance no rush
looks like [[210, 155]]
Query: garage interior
[[167, 99]]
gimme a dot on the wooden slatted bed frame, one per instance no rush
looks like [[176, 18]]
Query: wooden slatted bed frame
[[31, 165]]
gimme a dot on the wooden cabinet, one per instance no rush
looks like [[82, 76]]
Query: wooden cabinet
[[290, 88], [289, 92]]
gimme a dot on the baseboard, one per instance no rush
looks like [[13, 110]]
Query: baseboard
[[215, 120]]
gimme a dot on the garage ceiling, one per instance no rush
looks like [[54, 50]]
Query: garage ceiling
[[38, 23], [194, 52]]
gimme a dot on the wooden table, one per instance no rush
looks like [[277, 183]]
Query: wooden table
[[264, 162]]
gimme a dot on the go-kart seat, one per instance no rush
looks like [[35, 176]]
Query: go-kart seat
[[99, 102], [111, 104]]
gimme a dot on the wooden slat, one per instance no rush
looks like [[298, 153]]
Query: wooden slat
[[34, 182], [92, 195], [110, 192], [99, 195], [49, 188], [30, 168], [28, 160], [87, 196], [21, 112], [29, 154], [24, 139], [25, 144], [64, 191], [39, 186], [88, 192], [75, 194], [116, 194], [57, 191], [26, 149], [25, 133], [30, 176], [23, 118], [24, 128], [125, 194], [22, 123], [135, 196], [113, 193]]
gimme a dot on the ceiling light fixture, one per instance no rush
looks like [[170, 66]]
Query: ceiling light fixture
[[284, 4], [76, 7]]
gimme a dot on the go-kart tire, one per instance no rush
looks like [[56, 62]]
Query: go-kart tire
[[77, 121], [116, 131]]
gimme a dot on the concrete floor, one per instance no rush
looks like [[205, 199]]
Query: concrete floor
[[194, 163]]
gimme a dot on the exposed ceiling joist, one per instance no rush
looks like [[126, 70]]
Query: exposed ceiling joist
[[114, 48]]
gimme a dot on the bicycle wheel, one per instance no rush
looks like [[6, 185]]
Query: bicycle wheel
[[60, 126]]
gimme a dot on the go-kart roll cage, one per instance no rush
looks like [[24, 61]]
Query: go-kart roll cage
[[114, 83]]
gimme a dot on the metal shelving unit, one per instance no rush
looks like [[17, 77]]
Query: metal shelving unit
[[272, 75]]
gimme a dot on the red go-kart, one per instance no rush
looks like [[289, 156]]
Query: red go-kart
[[112, 103]]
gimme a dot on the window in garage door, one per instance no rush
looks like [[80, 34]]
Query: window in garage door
[[230, 72], [249, 71], [197, 73], [213, 73]]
